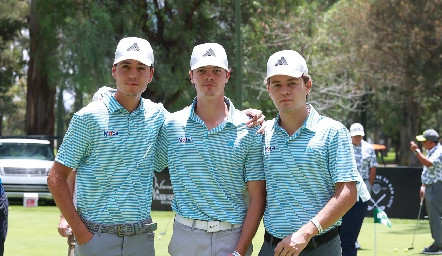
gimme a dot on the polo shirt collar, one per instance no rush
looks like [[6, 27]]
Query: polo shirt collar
[[309, 123], [230, 117], [113, 105]]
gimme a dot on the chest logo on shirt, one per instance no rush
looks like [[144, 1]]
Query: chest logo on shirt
[[185, 140], [270, 148], [110, 133]]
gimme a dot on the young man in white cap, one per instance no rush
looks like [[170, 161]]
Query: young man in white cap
[[214, 161], [366, 162], [311, 173], [111, 143], [431, 185]]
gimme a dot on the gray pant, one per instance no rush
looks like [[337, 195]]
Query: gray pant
[[433, 202], [331, 248], [187, 241], [114, 245]]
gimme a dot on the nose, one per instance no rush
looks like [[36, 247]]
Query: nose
[[133, 74], [285, 90]]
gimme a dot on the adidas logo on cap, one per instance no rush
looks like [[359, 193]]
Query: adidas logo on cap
[[281, 61], [209, 53], [134, 47]]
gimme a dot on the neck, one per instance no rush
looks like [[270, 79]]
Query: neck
[[212, 112], [292, 121], [130, 103]]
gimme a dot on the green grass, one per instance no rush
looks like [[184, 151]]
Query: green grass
[[390, 158], [33, 231]]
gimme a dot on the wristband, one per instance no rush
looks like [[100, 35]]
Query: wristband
[[317, 225], [417, 151], [422, 188], [235, 253]]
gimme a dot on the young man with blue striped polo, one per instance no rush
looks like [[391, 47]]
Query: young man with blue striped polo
[[111, 143], [311, 173], [214, 161]]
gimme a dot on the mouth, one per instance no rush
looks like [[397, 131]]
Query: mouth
[[132, 84]]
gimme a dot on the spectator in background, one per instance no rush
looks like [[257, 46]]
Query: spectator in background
[[63, 226], [431, 185], [4, 205], [366, 162], [309, 165]]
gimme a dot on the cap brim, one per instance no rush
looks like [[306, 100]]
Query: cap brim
[[285, 72], [420, 138], [357, 133], [134, 57], [208, 63]]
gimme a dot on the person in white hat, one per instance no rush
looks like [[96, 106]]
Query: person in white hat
[[431, 184], [311, 173], [366, 162], [215, 164], [111, 143]]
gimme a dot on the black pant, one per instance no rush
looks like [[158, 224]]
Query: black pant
[[4, 205], [350, 227]]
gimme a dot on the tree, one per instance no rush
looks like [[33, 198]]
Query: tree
[[392, 47], [12, 21]]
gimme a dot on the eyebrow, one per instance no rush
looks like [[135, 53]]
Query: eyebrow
[[127, 62], [291, 79]]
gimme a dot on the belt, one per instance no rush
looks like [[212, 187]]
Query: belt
[[126, 229], [312, 244], [209, 226]]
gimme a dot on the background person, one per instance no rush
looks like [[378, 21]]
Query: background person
[[63, 226], [431, 185], [214, 159], [4, 209], [311, 173], [366, 162]]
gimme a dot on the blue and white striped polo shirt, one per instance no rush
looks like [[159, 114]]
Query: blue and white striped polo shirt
[[113, 151], [433, 174], [302, 169], [365, 158], [209, 169]]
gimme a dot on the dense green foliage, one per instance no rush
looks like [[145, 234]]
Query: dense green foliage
[[375, 62]]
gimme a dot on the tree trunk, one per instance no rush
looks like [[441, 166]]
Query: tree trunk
[[408, 131], [40, 94]]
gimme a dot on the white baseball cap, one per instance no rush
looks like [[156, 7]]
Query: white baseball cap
[[208, 54], [134, 48], [357, 129], [286, 62]]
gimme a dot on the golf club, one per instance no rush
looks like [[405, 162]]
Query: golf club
[[418, 217], [167, 225]]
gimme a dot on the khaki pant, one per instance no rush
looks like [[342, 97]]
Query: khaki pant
[[187, 241]]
